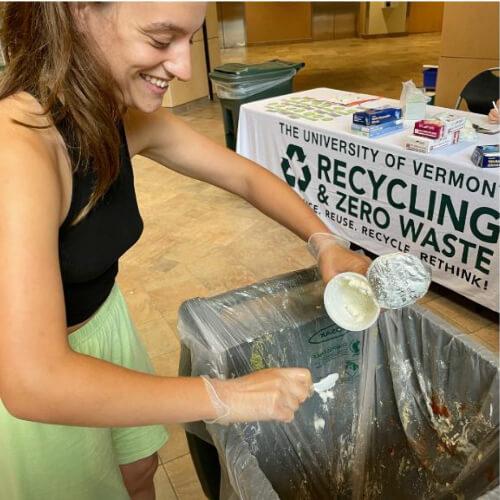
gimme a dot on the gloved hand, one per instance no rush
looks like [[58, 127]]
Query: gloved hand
[[334, 257], [270, 394]]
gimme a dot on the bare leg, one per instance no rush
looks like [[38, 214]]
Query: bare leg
[[138, 478]]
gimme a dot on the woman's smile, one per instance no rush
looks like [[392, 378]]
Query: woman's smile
[[154, 84]]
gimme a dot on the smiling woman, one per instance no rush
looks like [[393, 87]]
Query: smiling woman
[[142, 49], [80, 96]]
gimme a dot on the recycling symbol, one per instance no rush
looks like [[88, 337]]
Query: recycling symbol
[[355, 347], [351, 368], [295, 152]]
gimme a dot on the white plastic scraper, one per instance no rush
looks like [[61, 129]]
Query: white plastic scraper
[[326, 383]]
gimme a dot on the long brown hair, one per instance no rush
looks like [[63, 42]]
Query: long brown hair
[[49, 57]]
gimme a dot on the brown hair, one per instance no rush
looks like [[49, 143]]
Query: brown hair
[[51, 59]]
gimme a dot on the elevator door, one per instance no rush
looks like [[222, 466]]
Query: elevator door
[[334, 20]]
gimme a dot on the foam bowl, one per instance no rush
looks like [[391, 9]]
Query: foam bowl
[[350, 302]]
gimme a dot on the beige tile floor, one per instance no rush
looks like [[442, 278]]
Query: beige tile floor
[[199, 241]]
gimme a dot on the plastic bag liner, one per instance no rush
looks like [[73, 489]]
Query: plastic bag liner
[[240, 81], [414, 413]]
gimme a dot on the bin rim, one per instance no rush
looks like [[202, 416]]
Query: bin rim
[[238, 72]]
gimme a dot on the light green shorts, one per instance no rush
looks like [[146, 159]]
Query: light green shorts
[[56, 462]]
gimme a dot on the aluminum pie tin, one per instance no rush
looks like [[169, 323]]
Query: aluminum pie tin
[[398, 279]]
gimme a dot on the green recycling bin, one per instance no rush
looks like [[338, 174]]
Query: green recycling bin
[[236, 84]]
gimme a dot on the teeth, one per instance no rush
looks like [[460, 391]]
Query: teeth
[[155, 81]]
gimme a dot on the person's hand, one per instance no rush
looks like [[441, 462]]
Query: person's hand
[[336, 260], [334, 257], [270, 394], [493, 116]]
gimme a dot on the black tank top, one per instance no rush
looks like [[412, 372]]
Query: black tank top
[[89, 251]]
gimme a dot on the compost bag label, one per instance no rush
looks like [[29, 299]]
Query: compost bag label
[[336, 348], [387, 199], [326, 334]]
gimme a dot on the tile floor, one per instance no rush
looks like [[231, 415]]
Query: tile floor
[[199, 241]]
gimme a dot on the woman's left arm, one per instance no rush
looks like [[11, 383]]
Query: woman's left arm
[[166, 139]]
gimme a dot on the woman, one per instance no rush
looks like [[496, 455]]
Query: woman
[[82, 94]]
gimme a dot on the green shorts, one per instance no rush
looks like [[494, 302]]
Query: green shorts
[[56, 462]]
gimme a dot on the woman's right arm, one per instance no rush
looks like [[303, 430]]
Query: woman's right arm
[[41, 378]]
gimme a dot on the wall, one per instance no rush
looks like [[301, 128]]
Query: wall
[[381, 19], [273, 22], [232, 31], [424, 17], [469, 44], [213, 35]]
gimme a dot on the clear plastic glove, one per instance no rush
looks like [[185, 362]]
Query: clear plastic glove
[[334, 257], [270, 394]]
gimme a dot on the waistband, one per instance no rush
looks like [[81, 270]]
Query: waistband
[[112, 306]]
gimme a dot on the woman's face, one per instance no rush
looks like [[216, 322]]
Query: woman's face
[[145, 45]]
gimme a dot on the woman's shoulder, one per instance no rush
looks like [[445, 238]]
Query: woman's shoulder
[[24, 123], [23, 110], [30, 147]]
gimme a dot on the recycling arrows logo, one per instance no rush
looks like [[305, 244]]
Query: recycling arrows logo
[[295, 152]]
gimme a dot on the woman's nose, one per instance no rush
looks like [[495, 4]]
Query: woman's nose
[[179, 65]]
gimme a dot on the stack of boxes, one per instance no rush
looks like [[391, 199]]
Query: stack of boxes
[[377, 122], [429, 135]]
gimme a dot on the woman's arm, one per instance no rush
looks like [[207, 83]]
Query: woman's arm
[[41, 378], [165, 138]]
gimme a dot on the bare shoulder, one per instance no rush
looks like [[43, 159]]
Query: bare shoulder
[[22, 119], [30, 147], [24, 108]]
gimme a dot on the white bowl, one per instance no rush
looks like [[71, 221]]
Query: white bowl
[[350, 303]]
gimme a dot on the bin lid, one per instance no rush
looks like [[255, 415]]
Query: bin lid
[[237, 71]]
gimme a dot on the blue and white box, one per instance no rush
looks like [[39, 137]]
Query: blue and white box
[[486, 156], [377, 116]]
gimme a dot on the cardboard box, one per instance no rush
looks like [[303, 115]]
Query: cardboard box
[[377, 116], [486, 156], [426, 145], [377, 130], [433, 129]]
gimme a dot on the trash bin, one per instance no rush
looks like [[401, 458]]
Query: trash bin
[[429, 76], [236, 84], [414, 413]]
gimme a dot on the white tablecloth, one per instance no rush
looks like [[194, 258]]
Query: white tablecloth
[[375, 193]]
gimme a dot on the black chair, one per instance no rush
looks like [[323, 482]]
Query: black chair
[[480, 91]]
